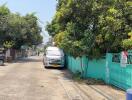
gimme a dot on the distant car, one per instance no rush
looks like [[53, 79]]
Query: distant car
[[54, 57], [2, 58]]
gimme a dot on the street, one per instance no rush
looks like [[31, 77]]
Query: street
[[27, 79]]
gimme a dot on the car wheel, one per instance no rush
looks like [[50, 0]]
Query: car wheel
[[45, 66]]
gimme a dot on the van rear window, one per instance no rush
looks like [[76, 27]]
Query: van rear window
[[53, 53]]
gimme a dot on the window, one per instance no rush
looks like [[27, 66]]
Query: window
[[129, 59], [116, 58]]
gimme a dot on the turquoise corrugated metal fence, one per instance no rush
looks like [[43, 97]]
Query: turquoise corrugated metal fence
[[105, 69]]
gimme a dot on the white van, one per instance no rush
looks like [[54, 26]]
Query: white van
[[54, 57]]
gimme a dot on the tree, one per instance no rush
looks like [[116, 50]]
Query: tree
[[4, 13], [21, 30], [93, 29]]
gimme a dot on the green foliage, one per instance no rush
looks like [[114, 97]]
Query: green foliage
[[4, 10], [128, 42], [8, 44], [21, 30], [92, 27]]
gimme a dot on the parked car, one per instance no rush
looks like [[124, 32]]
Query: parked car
[[2, 58], [54, 57]]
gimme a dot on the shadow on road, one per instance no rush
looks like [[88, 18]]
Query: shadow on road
[[28, 60], [56, 68], [3, 65]]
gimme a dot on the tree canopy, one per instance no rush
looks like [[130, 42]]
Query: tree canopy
[[19, 30], [92, 27]]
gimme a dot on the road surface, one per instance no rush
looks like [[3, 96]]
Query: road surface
[[27, 79]]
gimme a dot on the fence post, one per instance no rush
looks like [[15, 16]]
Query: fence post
[[85, 66], [108, 62]]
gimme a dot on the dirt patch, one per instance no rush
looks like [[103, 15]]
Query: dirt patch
[[91, 81]]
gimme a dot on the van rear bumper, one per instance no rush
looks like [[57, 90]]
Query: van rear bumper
[[54, 65]]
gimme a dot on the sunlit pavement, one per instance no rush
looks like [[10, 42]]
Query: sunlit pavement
[[27, 79]]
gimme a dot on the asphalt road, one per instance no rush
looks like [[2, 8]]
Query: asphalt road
[[27, 79]]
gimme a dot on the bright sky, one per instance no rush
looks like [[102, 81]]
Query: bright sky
[[45, 9]]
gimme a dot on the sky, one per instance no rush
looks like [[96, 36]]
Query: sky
[[44, 9]]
